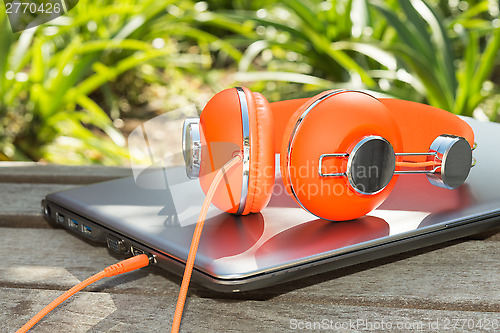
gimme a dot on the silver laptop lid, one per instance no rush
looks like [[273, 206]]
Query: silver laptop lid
[[161, 209]]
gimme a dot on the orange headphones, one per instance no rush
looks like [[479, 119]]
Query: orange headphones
[[340, 151]]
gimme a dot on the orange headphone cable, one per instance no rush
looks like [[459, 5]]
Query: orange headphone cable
[[418, 164], [124, 266], [196, 240]]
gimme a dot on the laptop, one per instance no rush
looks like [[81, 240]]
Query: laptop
[[156, 213]]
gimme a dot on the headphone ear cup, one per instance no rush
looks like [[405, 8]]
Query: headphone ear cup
[[228, 118], [262, 162], [332, 123], [221, 137]]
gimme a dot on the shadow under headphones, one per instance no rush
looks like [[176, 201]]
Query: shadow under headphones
[[341, 151]]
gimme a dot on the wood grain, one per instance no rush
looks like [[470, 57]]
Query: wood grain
[[462, 278], [21, 204], [154, 314], [29, 172]]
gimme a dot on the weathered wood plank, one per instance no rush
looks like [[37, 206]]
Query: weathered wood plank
[[20, 204], [28, 172], [102, 312], [462, 276], [19, 305]]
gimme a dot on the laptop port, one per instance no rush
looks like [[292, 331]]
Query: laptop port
[[46, 210], [86, 230], [72, 223], [60, 218], [135, 251], [115, 244]]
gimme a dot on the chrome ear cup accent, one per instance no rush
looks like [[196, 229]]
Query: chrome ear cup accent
[[191, 147], [245, 121], [455, 154], [371, 165]]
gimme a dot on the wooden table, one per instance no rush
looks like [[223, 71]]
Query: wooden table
[[456, 283]]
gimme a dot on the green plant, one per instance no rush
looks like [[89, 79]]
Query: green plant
[[12, 83], [404, 48], [452, 66], [296, 39], [49, 75]]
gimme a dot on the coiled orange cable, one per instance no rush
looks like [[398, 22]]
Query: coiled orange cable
[[196, 240], [124, 266]]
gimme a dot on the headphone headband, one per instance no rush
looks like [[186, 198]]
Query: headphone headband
[[429, 121]]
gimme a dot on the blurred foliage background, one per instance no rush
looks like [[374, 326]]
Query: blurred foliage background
[[72, 89]]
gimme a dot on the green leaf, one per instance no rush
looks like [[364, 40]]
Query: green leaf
[[445, 56], [308, 17], [465, 74], [479, 8], [485, 69], [6, 40], [371, 50], [99, 118], [95, 81], [415, 18], [407, 36], [286, 77]]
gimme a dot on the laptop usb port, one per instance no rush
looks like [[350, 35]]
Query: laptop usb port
[[72, 223], [86, 230]]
